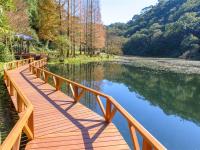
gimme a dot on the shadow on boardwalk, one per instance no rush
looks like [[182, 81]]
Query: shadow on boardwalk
[[87, 139]]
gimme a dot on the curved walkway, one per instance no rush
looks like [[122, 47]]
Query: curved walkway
[[59, 123]]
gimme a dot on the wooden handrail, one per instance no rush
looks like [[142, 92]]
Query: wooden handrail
[[15, 64], [24, 109], [112, 106]]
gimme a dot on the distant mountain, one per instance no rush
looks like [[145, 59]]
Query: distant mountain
[[169, 29]]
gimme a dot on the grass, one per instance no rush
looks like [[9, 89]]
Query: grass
[[1, 68], [86, 59]]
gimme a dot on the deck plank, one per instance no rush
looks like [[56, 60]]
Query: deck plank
[[59, 123]]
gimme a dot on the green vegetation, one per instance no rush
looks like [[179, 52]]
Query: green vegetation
[[168, 29], [115, 39], [86, 59], [5, 54], [64, 26], [1, 67]]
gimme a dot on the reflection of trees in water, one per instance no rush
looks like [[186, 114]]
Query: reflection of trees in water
[[89, 75], [176, 94]]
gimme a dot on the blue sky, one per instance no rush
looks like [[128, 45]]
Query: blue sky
[[122, 10]]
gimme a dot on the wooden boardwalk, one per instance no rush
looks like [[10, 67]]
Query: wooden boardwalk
[[53, 120], [59, 123]]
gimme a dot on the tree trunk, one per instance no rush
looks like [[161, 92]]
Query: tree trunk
[[47, 45]]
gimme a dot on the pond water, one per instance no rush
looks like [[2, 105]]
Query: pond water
[[165, 103]]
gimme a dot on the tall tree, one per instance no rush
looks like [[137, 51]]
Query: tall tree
[[95, 30], [49, 20], [33, 14]]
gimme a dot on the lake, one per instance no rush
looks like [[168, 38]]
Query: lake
[[167, 104]]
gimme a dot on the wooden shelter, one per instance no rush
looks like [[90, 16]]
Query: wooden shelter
[[23, 44]]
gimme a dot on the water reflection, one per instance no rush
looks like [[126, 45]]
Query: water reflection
[[167, 104]]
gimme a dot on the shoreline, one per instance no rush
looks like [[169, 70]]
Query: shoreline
[[175, 65], [85, 59], [163, 64]]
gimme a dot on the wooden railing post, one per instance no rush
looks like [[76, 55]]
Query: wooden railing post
[[29, 67], [20, 104], [30, 60], [101, 106], [31, 124], [46, 77], [11, 89], [29, 128], [108, 110], [38, 73], [16, 146], [17, 64], [58, 84], [32, 69], [75, 92], [8, 82], [134, 137], [34, 72], [10, 66]]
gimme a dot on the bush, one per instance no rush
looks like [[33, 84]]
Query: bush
[[5, 54]]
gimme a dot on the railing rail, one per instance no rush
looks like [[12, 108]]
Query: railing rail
[[23, 107], [112, 106]]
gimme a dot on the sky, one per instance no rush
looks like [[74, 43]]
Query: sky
[[122, 10]]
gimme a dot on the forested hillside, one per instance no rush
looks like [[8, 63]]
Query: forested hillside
[[169, 29], [64, 26]]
